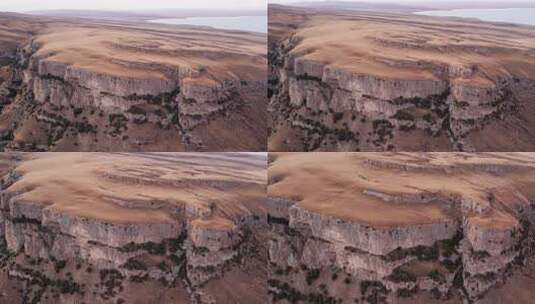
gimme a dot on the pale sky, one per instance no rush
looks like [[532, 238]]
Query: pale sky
[[35, 5], [406, 1]]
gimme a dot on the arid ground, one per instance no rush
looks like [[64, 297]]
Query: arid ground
[[356, 81], [82, 84], [408, 227], [133, 228]]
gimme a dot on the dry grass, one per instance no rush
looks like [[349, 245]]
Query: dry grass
[[139, 49], [370, 187], [148, 187], [149, 51], [407, 46]]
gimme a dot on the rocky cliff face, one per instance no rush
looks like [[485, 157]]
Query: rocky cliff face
[[60, 254], [57, 103], [318, 257], [332, 105], [311, 254], [328, 98]]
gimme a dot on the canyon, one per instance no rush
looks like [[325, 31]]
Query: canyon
[[401, 227], [133, 228], [372, 81], [82, 84]]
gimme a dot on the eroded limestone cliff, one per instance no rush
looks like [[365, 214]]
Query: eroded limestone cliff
[[93, 86], [389, 228], [151, 228], [358, 82]]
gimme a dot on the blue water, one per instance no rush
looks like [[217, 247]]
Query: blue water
[[242, 23], [509, 15]]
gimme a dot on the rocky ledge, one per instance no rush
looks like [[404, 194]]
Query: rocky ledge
[[425, 87], [100, 237], [385, 228], [63, 91]]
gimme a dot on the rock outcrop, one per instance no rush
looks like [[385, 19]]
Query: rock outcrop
[[334, 245], [165, 244], [66, 94], [379, 91]]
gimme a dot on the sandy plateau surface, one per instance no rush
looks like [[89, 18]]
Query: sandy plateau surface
[[366, 187], [70, 84], [131, 51], [110, 228], [386, 227], [356, 81], [409, 47], [128, 188]]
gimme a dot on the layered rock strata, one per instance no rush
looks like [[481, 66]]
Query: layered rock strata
[[136, 241], [379, 91], [339, 244], [85, 94]]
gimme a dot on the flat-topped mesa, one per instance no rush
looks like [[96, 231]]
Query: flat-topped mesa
[[374, 240], [99, 83], [373, 97], [189, 93], [360, 85], [115, 88], [187, 223], [44, 233], [368, 92], [406, 222], [96, 86], [330, 89]]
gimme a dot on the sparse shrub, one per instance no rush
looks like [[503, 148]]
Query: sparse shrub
[[406, 293], [59, 265], [399, 275], [312, 275], [77, 111], [337, 117], [436, 276], [133, 264], [403, 115]]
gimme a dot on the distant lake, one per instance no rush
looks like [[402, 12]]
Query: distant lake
[[243, 23], [509, 15]]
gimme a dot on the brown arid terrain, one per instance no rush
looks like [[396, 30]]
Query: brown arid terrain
[[357, 81], [401, 227], [144, 228], [70, 84]]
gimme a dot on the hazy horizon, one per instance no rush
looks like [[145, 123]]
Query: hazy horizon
[[409, 2], [431, 4], [21, 6]]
